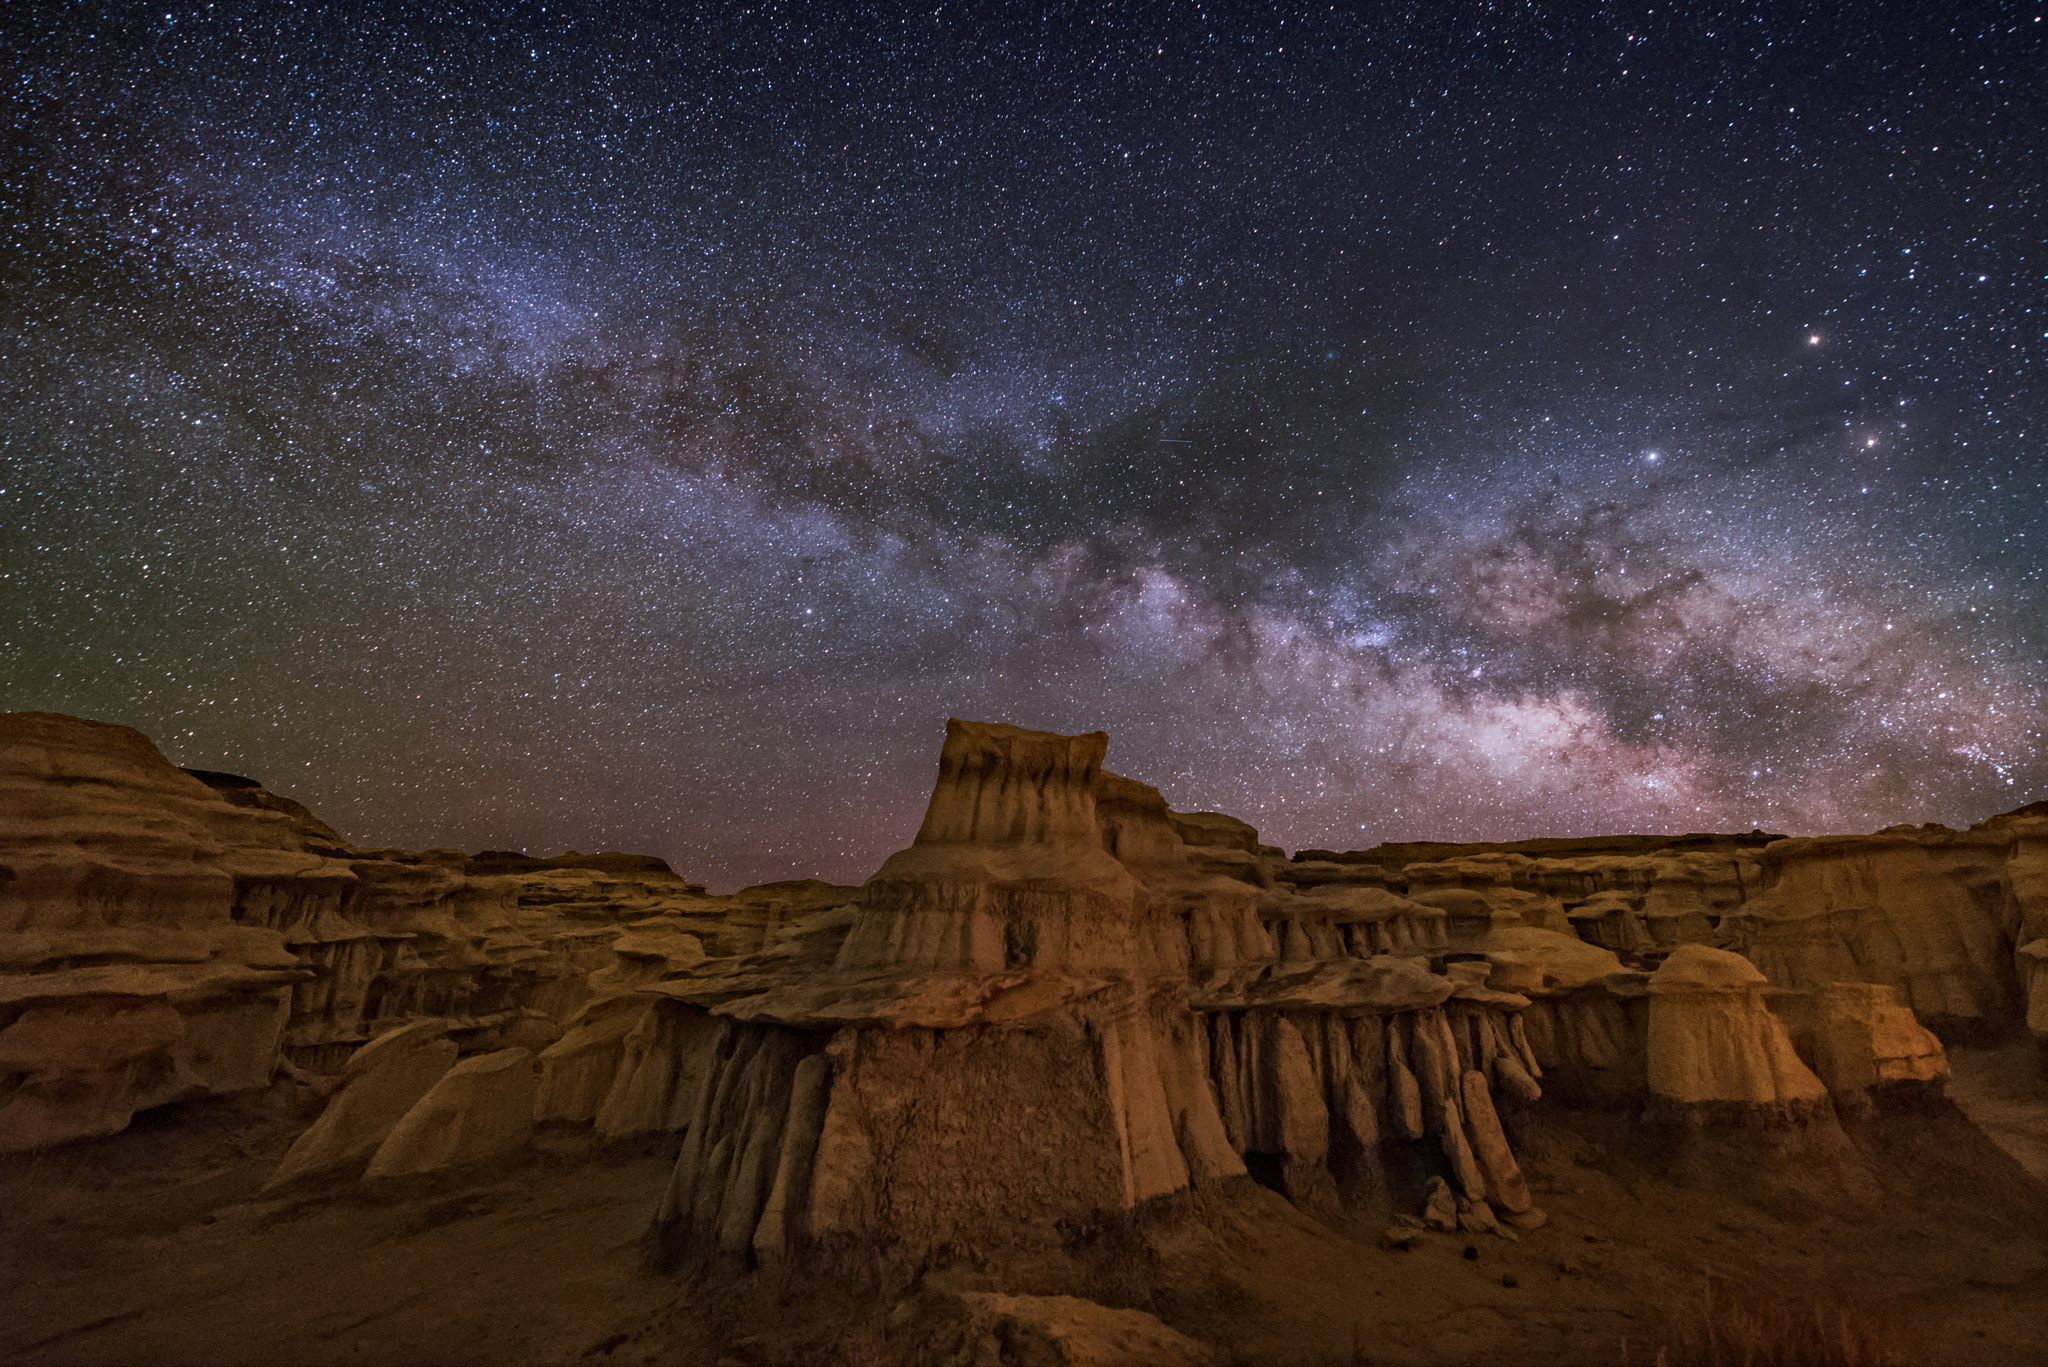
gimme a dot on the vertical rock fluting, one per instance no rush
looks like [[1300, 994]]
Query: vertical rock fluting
[[1010, 1037], [1065, 999], [1955, 922], [1062, 999], [166, 934], [1322, 1091]]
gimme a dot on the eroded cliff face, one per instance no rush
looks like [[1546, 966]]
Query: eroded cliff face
[[995, 1034], [1065, 999], [1633, 894], [166, 934], [1955, 922], [126, 978], [1062, 999]]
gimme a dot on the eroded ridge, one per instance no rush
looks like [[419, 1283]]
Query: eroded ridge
[[1062, 1000]]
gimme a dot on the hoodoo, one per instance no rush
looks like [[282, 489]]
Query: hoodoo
[[1065, 998], [995, 1036]]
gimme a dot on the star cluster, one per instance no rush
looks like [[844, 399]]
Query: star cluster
[[639, 427]]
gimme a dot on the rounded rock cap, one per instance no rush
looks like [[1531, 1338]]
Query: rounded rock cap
[[1698, 968]]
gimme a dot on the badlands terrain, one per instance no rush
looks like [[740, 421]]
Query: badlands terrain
[[1073, 1078]]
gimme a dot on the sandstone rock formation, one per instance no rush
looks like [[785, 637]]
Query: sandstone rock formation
[[126, 980], [1955, 922], [1065, 999], [1062, 999], [1858, 1036], [167, 934], [1632, 894], [385, 1080], [1712, 1038], [1062, 1002], [480, 1110], [1942, 917]]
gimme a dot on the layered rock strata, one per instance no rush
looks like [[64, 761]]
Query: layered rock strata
[[166, 934], [1954, 922], [1062, 999], [1635, 894], [1065, 999]]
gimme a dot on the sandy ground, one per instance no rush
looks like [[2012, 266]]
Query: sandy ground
[[148, 1247], [2005, 1091], [151, 1247]]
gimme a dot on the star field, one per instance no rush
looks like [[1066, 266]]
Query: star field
[[534, 426]]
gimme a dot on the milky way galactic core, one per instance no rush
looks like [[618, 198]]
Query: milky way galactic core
[[640, 427]]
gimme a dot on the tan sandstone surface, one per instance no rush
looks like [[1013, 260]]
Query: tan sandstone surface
[[1073, 1077]]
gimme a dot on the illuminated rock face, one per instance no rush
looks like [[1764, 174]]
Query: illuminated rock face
[[1858, 1036], [166, 934], [1008, 870], [480, 1111], [1065, 998], [1944, 918], [126, 980], [386, 1079], [1632, 894], [1712, 1038], [1062, 999], [1954, 922], [1001, 1038]]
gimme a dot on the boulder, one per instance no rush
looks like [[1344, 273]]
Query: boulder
[[479, 1112], [1440, 1206], [381, 1084]]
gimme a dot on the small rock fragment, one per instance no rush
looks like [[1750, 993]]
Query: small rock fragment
[[1440, 1206], [1476, 1217]]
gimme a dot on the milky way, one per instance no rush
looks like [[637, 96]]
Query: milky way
[[560, 426]]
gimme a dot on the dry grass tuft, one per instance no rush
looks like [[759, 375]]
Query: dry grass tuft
[[1754, 1325]]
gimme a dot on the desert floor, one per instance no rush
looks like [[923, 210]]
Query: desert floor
[[151, 1246]]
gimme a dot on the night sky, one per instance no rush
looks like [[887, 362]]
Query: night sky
[[550, 426]]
